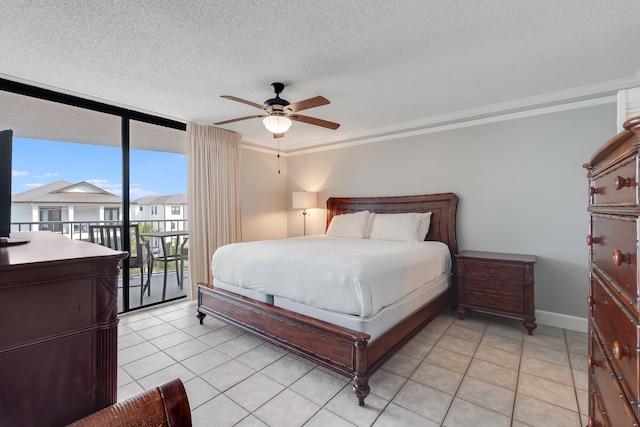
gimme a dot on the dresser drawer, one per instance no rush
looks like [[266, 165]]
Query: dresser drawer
[[598, 419], [618, 334], [485, 269], [494, 302], [480, 284], [617, 186], [614, 253], [611, 399]]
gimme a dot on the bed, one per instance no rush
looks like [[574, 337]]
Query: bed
[[319, 335]]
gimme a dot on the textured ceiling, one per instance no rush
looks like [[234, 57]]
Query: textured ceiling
[[385, 65]]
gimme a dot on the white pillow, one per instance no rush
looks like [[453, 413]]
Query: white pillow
[[399, 227], [354, 225], [425, 222]]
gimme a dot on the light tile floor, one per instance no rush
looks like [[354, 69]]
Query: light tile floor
[[483, 371]]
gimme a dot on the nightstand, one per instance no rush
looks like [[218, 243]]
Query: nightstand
[[497, 283]]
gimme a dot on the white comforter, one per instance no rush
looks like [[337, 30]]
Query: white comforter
[[352, 276]]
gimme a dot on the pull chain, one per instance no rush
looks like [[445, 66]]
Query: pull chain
[[278, 156]]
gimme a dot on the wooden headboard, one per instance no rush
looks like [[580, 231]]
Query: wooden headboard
[[443, 207]]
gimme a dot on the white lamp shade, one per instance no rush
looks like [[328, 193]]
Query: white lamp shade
[[304, 200], [277, 124]]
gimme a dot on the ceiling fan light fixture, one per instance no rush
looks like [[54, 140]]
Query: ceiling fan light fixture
[[277, 124]]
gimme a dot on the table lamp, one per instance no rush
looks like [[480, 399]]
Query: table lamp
[[304, 200]]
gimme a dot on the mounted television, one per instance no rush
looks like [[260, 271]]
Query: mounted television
[[6, 145]]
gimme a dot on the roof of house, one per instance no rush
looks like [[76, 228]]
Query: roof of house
[[173, 199], [65, 192]]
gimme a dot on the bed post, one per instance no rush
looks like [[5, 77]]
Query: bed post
[[361, 380], [200, 315]]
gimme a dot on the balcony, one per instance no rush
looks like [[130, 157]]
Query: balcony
[[79, 230]]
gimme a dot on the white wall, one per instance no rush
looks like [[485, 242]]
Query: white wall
[[520, 182], [262, 195]]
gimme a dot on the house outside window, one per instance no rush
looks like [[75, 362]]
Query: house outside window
[[154, 210], [175, 210], [50, 214], [111, 214]]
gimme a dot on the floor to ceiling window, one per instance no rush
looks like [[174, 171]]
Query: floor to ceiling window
[[158, 200], [80, 164]]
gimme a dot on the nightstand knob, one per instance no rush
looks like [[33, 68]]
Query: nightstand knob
[[593, 190], [590, 301], [592, 363]]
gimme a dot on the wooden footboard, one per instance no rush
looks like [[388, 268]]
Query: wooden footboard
[[342, 350], [339, 349]]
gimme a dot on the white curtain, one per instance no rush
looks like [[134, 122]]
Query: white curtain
[[213, 196]]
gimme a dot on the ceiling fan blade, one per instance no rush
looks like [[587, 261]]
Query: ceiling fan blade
[[314, 121], [278, 135], [307, 103], [238, 119], [244, 101]]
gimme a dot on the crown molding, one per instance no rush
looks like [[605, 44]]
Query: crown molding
[[580, 97]]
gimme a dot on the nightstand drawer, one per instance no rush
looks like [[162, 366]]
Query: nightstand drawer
[[494, 302], [479, 284], [484, 269], [498, 283]]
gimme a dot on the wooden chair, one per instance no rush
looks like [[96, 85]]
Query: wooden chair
[[139, 256], [163, 406]]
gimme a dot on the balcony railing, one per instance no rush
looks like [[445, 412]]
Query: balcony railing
[[79, 230]]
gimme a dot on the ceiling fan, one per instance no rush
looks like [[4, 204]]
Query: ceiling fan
[[280, 112]]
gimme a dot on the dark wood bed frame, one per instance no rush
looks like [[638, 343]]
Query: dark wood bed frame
[[340, 349]]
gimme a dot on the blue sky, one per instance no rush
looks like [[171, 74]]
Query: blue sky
[[38, 162]]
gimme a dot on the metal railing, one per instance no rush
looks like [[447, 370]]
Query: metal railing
[[79, 230]]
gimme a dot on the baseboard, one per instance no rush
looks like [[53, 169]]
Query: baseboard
[[573, 323]]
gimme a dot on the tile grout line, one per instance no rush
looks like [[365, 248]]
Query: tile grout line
[[412, 372]]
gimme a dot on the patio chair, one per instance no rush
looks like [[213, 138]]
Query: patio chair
[[177, 252], [166, 406], [140, 256]]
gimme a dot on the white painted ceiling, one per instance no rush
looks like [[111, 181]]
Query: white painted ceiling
[[387, 66]]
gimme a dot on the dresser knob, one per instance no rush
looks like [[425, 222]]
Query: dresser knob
[[592, 363], [590, 301], [593, 190], [619, 258], [621, 182], [617, 350], [593, 240]]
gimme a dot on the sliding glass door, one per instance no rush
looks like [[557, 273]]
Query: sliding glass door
[[158, 206], [78, 165]]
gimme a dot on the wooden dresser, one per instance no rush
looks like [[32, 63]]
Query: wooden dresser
[[613, 276], [58, 330], [497, 283]]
